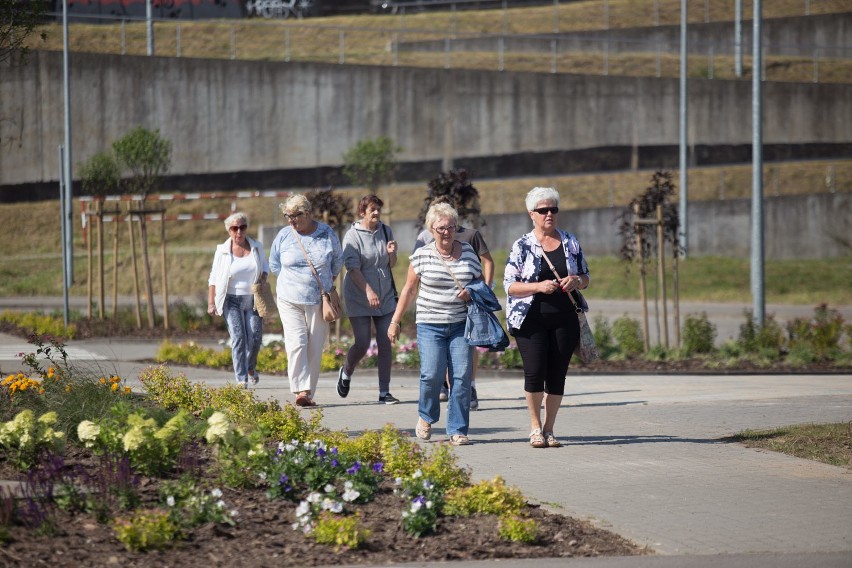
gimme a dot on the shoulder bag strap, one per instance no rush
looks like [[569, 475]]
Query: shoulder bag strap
[[447, 266], [311, 264]]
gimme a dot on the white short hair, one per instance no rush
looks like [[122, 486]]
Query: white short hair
[[538, 194], [295, 203], [440, 211], [234, 217]]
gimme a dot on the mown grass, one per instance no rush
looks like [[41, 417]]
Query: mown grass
[[827, 443], [368, 39]]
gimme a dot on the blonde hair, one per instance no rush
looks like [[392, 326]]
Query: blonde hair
[[538, 194], [440, 211], [294, 203], [233, 218]]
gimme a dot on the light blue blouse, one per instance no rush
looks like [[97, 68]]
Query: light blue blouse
[[296, 282]]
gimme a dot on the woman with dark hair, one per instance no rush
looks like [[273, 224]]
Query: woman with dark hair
[[545, 268], [369, 253]]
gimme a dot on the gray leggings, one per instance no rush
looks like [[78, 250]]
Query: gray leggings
[[361, 331]]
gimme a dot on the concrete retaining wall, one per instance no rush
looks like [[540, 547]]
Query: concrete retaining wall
[[811, 226], [253, 116]]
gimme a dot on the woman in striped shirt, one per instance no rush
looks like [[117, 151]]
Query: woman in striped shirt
[[441, 270]]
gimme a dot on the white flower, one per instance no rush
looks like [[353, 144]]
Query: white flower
[[87, 432], [216, 493], [398, 481], [350, 495], [314, 497], [348, 484], [262, 475], [428, 484], [303, 509], [295, 526], [415, 506], [234, 513], [329, 488], [418, 473], [220, 504], [428, 504], [170, 501]]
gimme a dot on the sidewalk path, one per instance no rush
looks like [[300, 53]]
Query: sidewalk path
[[642, 455]]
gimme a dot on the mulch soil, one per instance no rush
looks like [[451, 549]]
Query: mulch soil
[[263, 535]]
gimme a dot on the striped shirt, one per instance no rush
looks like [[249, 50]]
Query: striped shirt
[[438, 301]]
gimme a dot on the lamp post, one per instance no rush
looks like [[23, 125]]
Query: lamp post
[[68, 234], [149, 21], [757, 290], [682, 159]]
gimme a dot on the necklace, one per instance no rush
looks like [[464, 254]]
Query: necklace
[[446, 256]]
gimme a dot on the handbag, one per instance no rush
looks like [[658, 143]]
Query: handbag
[[393, 284], [331, 310], [586, 349], [264, 299]]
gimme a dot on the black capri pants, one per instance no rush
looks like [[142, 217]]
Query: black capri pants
[[546, 343]]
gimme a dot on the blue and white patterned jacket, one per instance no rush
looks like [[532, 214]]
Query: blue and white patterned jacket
[[524, 265]]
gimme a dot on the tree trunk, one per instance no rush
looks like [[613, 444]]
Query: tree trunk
[[163, 271], [101, 260], [146, 266], [117, 224], [90, 287]]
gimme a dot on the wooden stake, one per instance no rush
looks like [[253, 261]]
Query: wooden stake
[[661, 268], [165, 280], [135, 268]]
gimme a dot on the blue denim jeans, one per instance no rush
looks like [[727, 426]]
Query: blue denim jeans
[[443, 349], [246, 330]]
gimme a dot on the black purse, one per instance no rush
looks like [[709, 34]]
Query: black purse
[[393, 284]]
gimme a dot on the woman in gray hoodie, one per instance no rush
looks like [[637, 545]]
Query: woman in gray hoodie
[[369, 253]]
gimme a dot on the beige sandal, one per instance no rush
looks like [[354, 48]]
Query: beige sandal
[[551, 440], [459, 440], [423, 429], [537, 440]]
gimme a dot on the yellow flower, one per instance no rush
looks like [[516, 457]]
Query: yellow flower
[[128, 390], [115, 379], [114, 386], [102, 380], [133, 439], [68, 388], [51, 372], [41, 391]]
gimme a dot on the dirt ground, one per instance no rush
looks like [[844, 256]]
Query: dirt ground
[[263, 535]]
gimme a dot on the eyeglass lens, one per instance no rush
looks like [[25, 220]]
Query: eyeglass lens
[[236, 228], [546, 210], [296, 215], [446, 229]]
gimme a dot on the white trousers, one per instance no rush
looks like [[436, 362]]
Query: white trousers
[[305, 333]]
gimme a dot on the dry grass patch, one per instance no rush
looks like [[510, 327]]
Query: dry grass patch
[[827, 443]]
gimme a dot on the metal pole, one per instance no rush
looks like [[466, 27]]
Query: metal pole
[[682, 206], [63, 224], [738, 38], [757, 290], [149, 22], [69, 183]]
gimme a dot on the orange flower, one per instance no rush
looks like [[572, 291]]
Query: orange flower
[[128, 390], [51, 372], [114, 386], [103, 380]]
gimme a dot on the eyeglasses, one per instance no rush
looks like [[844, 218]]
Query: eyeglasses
[[293, 216], [236, 228], [546, 210], [445, 230]]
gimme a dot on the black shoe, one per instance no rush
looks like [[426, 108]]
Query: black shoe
[[342, 384], [388, 399]]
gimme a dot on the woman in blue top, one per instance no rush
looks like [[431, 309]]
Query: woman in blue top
[[298, 293], [238, 263], [539, 312]]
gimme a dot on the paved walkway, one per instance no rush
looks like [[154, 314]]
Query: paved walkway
[[642, 456]]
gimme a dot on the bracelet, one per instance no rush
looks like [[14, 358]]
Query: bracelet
[[396, 323]]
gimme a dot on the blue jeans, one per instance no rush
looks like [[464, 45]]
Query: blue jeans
[[443, 349], [246, 330]]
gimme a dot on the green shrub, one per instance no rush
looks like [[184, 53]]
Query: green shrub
[[511, 357], [40, 324], [441, 466], [821, 335], [487, 497], [699, 335], [341, 531], [517, 529], [603, 337], [767, 340], [628, 335], [150, 529]]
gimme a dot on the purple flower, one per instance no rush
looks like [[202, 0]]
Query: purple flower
[[356, 467], [378, 467], [334, 463], [320, 452]]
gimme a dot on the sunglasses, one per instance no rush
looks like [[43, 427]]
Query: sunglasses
[[546, 210], [291, 216], [236, 228]]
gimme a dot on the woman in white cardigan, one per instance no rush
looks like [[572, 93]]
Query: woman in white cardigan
[[238, 263]]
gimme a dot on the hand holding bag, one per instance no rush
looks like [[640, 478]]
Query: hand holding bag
[[264, 299], [331, 310]]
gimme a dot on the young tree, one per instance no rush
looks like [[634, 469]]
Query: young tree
[[19, 19], [371, 163], [147, 156], [457, 189], [100, 175], [332, 208]]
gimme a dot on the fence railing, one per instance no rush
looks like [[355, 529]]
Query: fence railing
[[605, 53]]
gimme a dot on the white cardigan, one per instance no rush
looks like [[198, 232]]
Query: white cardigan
[[220, 273]]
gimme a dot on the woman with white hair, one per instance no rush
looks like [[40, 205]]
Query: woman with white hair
[[305, 242], [437, 275], [544, 270], [239, 263]]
